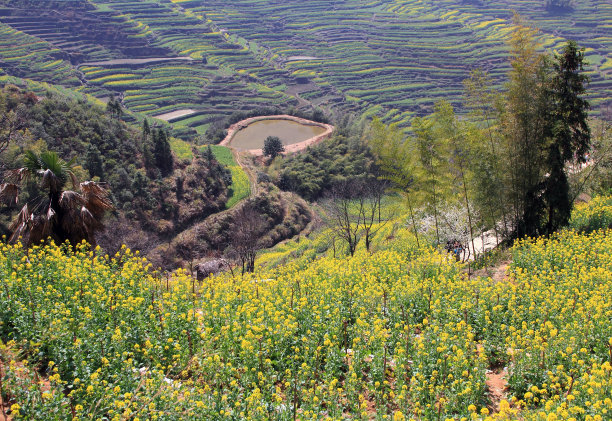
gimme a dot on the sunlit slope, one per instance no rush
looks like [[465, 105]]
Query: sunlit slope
[[393, 58], [405, 54], [92, 48]]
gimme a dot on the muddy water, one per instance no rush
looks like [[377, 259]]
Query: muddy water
[[289, 132]]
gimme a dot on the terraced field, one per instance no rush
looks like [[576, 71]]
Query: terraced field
[[405, 54], [393, 58]]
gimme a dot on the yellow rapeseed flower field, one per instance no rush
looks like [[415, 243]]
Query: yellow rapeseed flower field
[[399, 334]]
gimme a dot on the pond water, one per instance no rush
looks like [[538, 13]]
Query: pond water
[[289, 132]]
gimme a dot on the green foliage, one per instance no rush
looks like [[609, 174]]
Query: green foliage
[[181, 149], [119, 155], [240, 186], [273, 147], [113, 107], [94, 162], [162, 152], [569, 130], [320, 167]]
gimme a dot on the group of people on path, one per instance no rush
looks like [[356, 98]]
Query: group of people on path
[[455, 247]]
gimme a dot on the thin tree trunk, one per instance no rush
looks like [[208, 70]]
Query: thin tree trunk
[[467, 204], [414, 227], [435, 205], [497, 170]]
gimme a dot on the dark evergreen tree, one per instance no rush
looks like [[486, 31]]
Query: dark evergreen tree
[[94, 162], [572, 132], [146, 131], [569, 131], [162, 152], [114, 107], [209, 155]]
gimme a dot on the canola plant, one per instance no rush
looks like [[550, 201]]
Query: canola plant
[[400, 334]]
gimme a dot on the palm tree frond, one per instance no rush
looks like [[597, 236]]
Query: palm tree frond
[[53, 170], [71, 199], [73, 179], [40, 229], [96, 198], [17, 176], [21, 223], [9, 193], [50, 180], [31, 162], [67, 215]]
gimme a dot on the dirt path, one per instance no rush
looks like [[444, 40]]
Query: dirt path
[[497, 386], [296, 147], [499, 272]]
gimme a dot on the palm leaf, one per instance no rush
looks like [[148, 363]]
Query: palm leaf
[[96, 199], [40, 229], [21, 223], [9, 193], [67, 215], [71, 199]]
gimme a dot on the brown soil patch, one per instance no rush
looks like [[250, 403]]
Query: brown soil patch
[[499, 272], [3, 416], [496, 273], [496, 384]]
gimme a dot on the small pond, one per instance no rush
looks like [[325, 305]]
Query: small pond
[[289, 132]]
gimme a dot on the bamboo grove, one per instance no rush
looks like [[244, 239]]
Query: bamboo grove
[[505, 166]]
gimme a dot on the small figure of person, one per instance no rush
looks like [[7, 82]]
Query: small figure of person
[[457, 249]]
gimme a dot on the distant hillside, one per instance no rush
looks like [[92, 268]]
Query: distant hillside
[[208, 59], [174, 206]]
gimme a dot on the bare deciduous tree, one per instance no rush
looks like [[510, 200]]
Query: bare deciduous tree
[[245, 239], [370, 194], [344, 205]]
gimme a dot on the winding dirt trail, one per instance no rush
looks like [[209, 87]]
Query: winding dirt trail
[[497, 385]]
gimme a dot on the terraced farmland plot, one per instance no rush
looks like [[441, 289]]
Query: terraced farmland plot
[[393, 58], [405, 54], [231, 75], [80, 30], [25, 55], [105, 49]]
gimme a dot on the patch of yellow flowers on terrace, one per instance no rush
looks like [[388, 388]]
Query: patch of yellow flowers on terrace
[[395, 335]]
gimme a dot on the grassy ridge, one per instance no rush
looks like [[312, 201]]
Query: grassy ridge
[[241, 187]]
